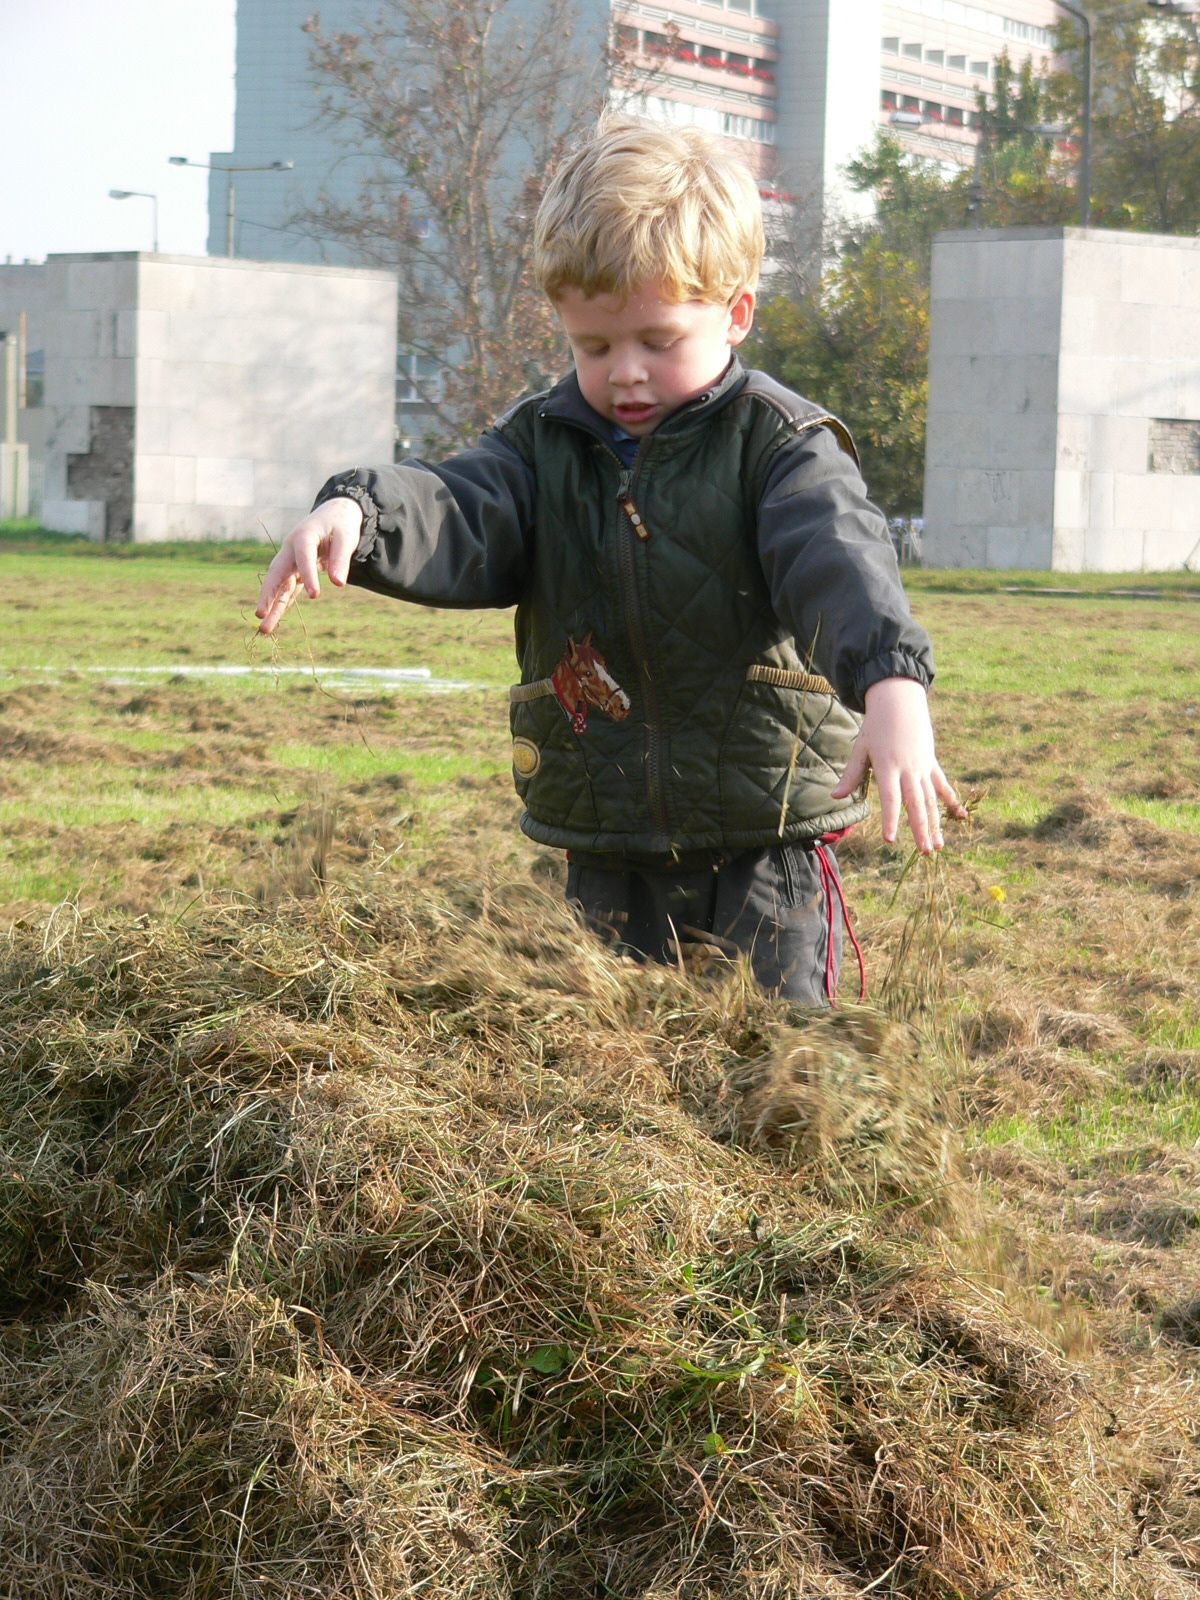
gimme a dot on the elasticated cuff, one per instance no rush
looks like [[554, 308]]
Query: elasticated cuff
[[341, 489], [891, 664]]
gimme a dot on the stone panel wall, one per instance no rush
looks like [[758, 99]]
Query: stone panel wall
[[1064, 383], [189, 398]]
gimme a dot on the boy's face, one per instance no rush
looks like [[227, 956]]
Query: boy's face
[[640, 359]]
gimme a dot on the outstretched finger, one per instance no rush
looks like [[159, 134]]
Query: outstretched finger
[[274, 602], [933, 813], [341, 547], [856, 770], [913, 795], [281, 571], [889, 806], [945, 790]]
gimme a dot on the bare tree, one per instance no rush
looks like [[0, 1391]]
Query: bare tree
[[465, 106]]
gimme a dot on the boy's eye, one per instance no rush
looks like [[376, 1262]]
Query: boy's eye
[[659, 345]]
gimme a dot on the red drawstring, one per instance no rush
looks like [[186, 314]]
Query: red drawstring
[[831, 885]]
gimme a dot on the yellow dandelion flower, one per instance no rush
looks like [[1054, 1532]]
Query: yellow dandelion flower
[[997, 894]]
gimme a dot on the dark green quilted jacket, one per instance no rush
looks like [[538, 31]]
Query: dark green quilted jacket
[[680, 624]]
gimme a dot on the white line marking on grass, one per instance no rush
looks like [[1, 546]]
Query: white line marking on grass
[[385, 678]]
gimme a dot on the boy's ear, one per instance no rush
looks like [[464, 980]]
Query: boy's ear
[[741, 316]]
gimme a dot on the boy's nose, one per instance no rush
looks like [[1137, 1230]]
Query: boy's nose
[[627, 368]]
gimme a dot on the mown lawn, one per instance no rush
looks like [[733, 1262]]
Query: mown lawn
[[1053, 951]]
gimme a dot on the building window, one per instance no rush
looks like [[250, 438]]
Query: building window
[[954, 116], [710, 118], [957, 63], [936, 58], [913, 50], [891, 45], [1028, 33], [737, 127], [418, 380], [981, 69], [35, 379], [887, 100]]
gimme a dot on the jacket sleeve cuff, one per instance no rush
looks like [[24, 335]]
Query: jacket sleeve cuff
[[890, 664], [345, 488]]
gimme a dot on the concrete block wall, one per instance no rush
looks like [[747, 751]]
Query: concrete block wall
[[255, 381], [195, 398], [1054, 353]]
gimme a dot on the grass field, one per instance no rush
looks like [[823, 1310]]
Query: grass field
[[1053, 952]]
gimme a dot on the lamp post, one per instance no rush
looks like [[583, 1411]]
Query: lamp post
[[914, 120], [1085, 147], [139, 194], [207, 166]]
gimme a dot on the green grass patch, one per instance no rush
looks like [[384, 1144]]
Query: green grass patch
[[351, 763], [1177, 816], [1078, 1133], [1049, 586], [1176, 1032], [102, 804]]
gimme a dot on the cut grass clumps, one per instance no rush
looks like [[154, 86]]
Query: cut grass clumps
[[421, 1247]]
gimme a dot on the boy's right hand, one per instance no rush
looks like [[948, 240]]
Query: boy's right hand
[[323, 542]]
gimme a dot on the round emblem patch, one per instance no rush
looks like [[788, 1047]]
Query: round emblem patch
[[526, 757]]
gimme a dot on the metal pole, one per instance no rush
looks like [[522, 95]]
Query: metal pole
[[229, 215], [1085, 152], [977, 182], [154, 203]]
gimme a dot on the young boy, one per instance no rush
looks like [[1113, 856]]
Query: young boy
[[706, 599]]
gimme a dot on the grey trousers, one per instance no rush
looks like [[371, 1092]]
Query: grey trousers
[[781, 907]]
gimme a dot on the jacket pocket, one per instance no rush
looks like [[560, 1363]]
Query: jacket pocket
[[785, 747], [550, 766]]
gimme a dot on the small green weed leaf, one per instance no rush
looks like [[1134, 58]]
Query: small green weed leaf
[[714, 1445], [548, 1359]]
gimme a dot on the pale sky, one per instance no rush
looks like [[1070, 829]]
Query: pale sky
[[96, 94]]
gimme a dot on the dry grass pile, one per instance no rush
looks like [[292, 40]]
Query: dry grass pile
[[420, 1248]]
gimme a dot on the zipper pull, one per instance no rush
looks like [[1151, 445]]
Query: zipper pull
[[623, 485], [635, 516]]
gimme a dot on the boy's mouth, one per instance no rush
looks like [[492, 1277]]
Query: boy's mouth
[[633, 413]]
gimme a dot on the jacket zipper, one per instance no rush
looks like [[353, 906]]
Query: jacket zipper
[[655, 787], [635, 627]]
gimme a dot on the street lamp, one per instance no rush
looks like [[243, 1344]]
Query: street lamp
[[139, 194], [913, 120], [1085, 147], [207, 166]]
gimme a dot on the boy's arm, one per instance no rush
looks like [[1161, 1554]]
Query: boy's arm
[[453, 534], [833, 578]]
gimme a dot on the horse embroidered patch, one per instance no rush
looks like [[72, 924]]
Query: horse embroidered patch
[[581, 679]]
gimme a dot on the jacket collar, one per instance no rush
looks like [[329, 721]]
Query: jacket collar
[[565, 403]]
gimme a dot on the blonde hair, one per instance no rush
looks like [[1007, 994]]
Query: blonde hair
[[638, 202]]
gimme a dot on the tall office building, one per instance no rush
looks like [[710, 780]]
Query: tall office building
[[937, 56], [799, 86]]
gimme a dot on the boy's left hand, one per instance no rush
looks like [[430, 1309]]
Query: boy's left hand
[[895, 742]]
